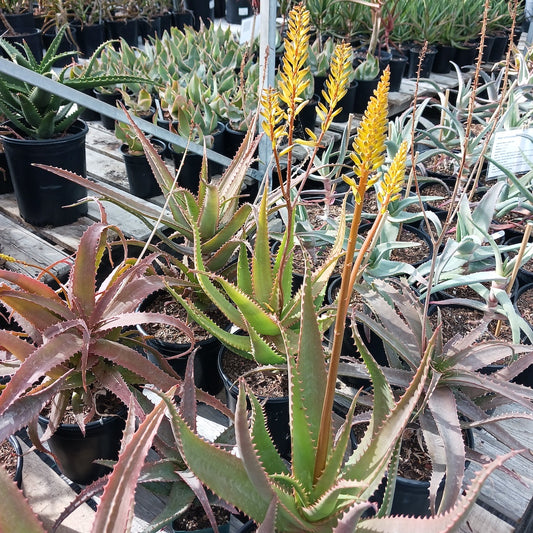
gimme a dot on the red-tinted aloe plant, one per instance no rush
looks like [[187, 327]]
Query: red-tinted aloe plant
[[78, 339]]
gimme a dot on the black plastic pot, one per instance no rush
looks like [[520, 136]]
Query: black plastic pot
[[206, 375], [75, 454], [466, 55], [276, 410], [524, 277], [165, 23], [411, 497], [306, 119], [365, 89], [397, 64], [6, 186], [123, 29], [31, 37], [347, 103], [203, 11], [499, 47], [319, 82], [427, 62], [89, 38], [236, 10], [190, 172], [67, 44], [20, 22], [487, 48], [445, 54], [232, 140], [140, 176], [111, 99], [15, 444], [41, 195], [182, 19]]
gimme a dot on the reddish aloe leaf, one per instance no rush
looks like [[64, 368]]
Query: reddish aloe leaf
[[15, 512], [41, 361], [113, 381], [27, 408], [15, 345], [115, 511], [81, 286], [37, 312], [132, 319], [88, 492], [133, 361], [29, 284]]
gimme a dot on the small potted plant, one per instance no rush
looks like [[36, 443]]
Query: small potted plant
[[44, 128], [81, 352]]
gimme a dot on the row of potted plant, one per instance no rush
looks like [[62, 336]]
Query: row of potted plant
[[283, 329]]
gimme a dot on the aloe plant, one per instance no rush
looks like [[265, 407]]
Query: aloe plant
[[78, 341], [458, 393], [37, 113]]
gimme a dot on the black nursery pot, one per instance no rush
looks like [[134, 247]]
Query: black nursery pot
[[427, 62], [347, 103], [203, 10], [445, 54], [15, 444], [89, 38], [6, 186], [32, 37], [397, 66], [466, 55], [125, 29], [40, 194], [236, 10], [111, 99], [499, 46], [182, 19], [140, 176], [75, 453], [365, 90], [206, 375], [20, 22], [306, 119], [276, 410]]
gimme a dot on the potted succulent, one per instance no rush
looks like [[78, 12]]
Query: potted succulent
[[18, 26], [80, 346], [122, 20], [44, 128], [88, 19]]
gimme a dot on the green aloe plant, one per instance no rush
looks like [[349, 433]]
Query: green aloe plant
[[37, 113]]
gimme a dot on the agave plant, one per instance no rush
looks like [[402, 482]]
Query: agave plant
[[78, 336]]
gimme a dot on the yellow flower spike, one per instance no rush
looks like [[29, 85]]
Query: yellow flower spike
[[394, 178], [336, 84], [293, 76], [272, 113], [369, 142]]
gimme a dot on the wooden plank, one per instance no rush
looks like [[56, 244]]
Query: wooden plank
[[48, 495], [479, 520], [22, 244], [501, 491]]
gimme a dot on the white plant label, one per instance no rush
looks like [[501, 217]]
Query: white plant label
[[511, 149], [212, 4], [243, 11]]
